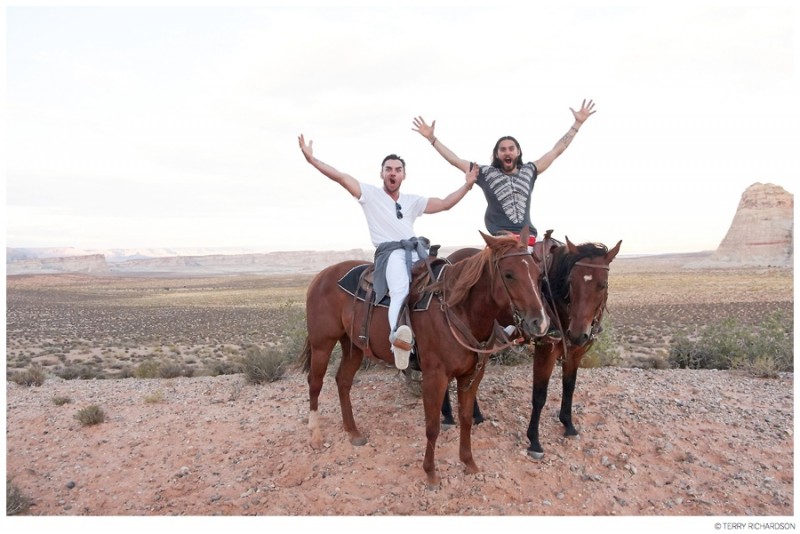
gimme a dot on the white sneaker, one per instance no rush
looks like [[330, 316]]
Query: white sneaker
[[401, 346]]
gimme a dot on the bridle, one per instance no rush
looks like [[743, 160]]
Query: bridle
[[598, 312], [457, 326], [458, 329]]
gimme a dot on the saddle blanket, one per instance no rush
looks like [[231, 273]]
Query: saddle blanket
[[357, 284]]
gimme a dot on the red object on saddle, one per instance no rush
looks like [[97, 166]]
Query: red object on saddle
[[531, 239]]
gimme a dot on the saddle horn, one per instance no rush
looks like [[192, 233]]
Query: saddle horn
[[524, 235]]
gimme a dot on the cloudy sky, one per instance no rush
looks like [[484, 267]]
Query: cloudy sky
[[177, 127]]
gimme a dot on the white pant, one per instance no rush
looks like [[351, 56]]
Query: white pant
[[398, 282]]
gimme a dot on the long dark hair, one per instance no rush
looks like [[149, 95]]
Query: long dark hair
[[496, 161]]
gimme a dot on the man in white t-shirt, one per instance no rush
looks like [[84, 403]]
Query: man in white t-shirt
[[390, 217]]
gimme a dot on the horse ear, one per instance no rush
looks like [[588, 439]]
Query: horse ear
[[487, 238], [572, 249], [524, 235], [611, 254]]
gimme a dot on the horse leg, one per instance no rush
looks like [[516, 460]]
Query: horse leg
[[466, 401], [544, 360], [434, 386], [568, 379], [477, 416], [320, 354], [447, 410], [351, 360]]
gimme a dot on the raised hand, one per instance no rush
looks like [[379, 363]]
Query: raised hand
[[423, 128], [307, 149], [587, 110], [471, 176]]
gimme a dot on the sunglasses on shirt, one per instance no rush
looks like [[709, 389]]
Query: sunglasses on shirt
[[397, 208]]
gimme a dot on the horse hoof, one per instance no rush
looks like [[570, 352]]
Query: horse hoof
[[433, 483], [358, 441], [445, 426], [535, 455]]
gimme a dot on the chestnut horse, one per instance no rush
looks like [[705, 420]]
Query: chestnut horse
[[451, 335], [576, 291]]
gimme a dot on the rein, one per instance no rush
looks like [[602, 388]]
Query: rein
[[463, 330], [582, 264]]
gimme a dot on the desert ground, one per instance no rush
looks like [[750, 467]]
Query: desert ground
[[655, 442]]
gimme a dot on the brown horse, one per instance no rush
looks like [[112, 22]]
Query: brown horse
[[451, 335], [578, 290]]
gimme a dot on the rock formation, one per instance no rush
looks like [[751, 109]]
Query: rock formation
[[93, 263], [762, 230]]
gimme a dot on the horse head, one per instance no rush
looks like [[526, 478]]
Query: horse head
[[587, 288], [516, 282]]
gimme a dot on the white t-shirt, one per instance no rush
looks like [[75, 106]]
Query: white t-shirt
[[381, 214]]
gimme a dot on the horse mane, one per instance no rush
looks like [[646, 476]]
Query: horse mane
[[463, 275], [563, 261]]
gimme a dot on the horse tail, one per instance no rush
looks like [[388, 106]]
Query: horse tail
[[305, 356]]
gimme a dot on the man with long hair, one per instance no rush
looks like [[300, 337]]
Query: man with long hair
[[508, 183]]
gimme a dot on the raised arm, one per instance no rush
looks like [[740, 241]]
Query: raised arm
[[436, 205], [426, 131], [345, 180], [587, 110]]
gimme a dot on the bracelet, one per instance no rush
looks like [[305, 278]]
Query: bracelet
[[433, 142], [573, 128]]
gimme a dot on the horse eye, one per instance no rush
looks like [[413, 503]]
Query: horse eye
[[508, 276]]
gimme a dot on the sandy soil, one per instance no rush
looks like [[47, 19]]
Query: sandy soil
[[659, 443]]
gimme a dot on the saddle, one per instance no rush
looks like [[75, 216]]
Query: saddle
[[359, 282], [543, 249]]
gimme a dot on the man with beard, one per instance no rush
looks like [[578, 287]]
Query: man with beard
[[508, 183], [390, 217]]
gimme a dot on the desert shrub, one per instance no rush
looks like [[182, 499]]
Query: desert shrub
[[147, 369], [603, 352], [61, 401], [225, 367], [154, 398], [770, 348], [32, 376], [126, 371], [264, 365], [174, 370], [91, 415], [78, 372], [294, 336], [763, 349], [512, 356], [16, 502]]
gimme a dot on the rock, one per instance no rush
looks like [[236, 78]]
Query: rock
[[762, 230]]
